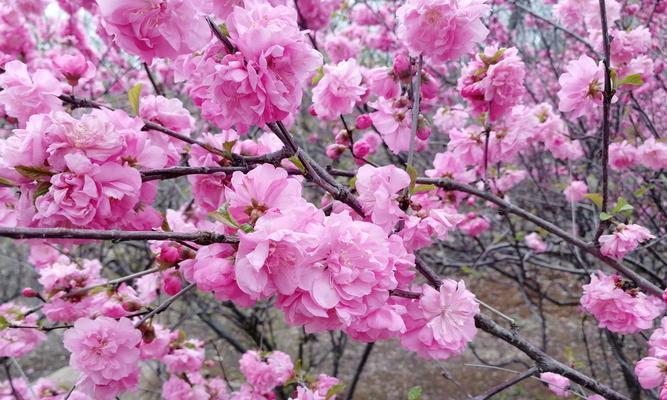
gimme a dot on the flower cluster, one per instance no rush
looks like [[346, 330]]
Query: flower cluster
[[618, 305]]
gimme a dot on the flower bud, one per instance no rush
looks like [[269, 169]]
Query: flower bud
[[361, 149], [29, 292], [363, 121]]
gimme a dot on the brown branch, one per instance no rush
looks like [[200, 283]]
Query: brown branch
[[509, 383], [202, 238]]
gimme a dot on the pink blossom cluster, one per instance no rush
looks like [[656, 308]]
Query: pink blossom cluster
[[262, 81], [84, 172], [493, 82], [623, 240], [441, 29], [618, 305], [652, 370]]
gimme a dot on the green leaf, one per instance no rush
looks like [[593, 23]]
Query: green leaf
[[133, 95], [605, 216], [247, 228], [223, 29], [596, 198], [295, 160], [415, 393], [6, 182], [424, 188], [352, 182], [634, 80], [412, 171], [4, 324], [223, 215], [41, 190], [33, 172], [319, 75], [622, 206], [334, 390]]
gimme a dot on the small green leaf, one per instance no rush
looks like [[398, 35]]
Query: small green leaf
[[413, 175], [227, 147], [247, 228], [41, 190], [133, 95], [223, 215], [4, 324], [33, 172], [596, 198], [317, 76], [223, 29], [634, 80], [334, 390], [424, 188], [352, 182], [622, 206], [295, 160], [605, 216], [415, 393], [614, 77], [6, 182]]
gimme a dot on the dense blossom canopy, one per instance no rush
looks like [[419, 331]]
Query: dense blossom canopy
[[332, 169]]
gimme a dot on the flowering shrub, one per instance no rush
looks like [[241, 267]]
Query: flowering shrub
[[285, 175]]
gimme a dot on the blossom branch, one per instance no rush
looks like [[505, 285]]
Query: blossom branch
[[507, 384], [506, 206], [165, 305], [202, 238]]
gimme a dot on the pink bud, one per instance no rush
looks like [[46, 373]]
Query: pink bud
[[361, 149], [424, 133], [632, 8], [363, 121], [334, 151], [343, 139], [131, 306], [401, 65], [311, 111], [171, 284], [29, 292]]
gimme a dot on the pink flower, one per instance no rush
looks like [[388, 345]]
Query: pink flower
[[624, 240], [629, 44], [340, 48], [652, 154], [658, 341], [158, 346], [651, 372], [269, 258], [558, 384], [448, 165], [393, 121], [178, 389], [89, 195], [581, 86], [535, 242], [382, 83], [17, 342], [316, 13], [105, 352], [442, 323], [494, 81], [264, 81], [75, 68], [338, 91], [26, 94], [617, 307], [379, 189], [171, 114], [155, 28], [622, 155], [576, 191], [94, 136], [266, 372], [441, 29], [213, 271], [187, 356], [474, 225], [348, 276], [264, 188]]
